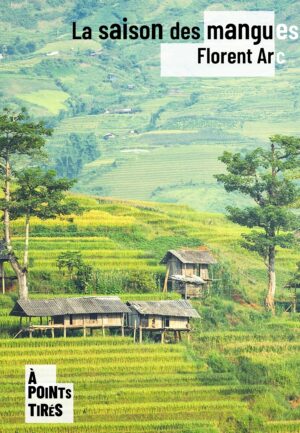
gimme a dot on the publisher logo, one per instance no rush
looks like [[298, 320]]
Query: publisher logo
[[45, 400]]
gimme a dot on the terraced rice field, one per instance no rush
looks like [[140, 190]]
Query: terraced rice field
[[223, 382], [122, 236], [121, 387], [266, 358], [125, 387]]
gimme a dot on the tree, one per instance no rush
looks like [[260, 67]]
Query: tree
[[80, 273], [18, 137], [39, 194], [264, 176], [78, 150], [70, 260]]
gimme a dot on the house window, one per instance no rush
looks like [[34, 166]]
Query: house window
[[144, 321], [58, 320], [71, 319], [93, 316], [167, 322]]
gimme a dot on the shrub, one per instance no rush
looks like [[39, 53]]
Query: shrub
[[140, 282], [267, 405], [219, 363], [250, 372]]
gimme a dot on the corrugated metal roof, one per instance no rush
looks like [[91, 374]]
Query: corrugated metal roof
[[178, 308], [182, 278], [61, 306], [191, 256]]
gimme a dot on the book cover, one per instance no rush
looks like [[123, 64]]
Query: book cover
[[149, 199]]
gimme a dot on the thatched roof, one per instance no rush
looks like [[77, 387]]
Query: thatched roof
[[184, 279], [199, 256], [179, 308], [62, 306]]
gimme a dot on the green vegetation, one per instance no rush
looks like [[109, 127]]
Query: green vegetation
[[265, 177], [166, 149], [78, 150], [240, 373], [53, 100], [224, 382], [125, 241], [19, 138], [36, 193]]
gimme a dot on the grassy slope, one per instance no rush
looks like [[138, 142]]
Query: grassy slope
[[218, 385], [239, 374], [117, 235]]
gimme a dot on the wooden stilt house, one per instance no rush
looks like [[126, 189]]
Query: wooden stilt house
[[73, 313], [187, 271], [161, 316]]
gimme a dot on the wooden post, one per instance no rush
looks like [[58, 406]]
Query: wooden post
[[165, 289], [103, 331], [295, 301], [2, 277], [52, 332], [162, 336], [91, 332], [134, 331], [30, 333], [84, 328], [122, 329], [141, 334], [65, 331]]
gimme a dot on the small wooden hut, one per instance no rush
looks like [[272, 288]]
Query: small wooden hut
[[72, 313], [161, 316], [187, 271]]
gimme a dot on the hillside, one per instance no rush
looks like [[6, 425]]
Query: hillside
[[240, 373], [223, 382], [166, 148], [125, 241]]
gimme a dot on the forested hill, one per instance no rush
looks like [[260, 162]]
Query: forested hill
[[120, 128]]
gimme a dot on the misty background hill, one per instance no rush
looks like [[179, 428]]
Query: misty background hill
[[121, 129]]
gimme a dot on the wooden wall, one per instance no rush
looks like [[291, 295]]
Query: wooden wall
[[157, 322], [175, 266], [99, 320], [188, 269]]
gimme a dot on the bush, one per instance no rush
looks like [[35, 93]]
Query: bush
[[219, 363], [250, 372], [267, 405], [140, 282], [244, 424]]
